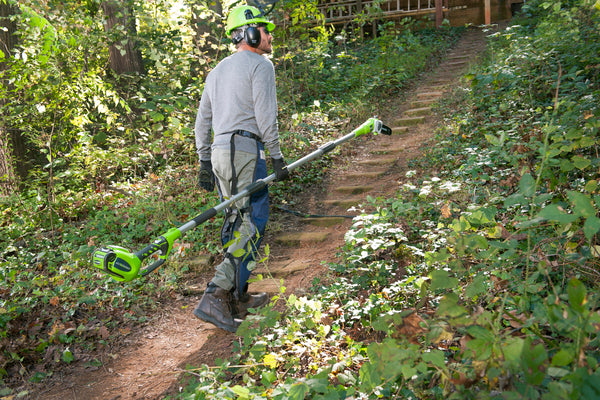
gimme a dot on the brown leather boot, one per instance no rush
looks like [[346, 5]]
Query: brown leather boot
[[241, 304], [215, 307]]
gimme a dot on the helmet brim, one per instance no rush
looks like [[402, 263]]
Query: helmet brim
[[270, 26]]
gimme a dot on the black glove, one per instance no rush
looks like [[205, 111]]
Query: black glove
[[280, 168], [206, 177]]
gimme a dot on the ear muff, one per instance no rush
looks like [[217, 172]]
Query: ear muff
[[252, 36]]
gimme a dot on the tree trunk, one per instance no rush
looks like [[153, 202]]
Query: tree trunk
[[10, 139], [125, 57]]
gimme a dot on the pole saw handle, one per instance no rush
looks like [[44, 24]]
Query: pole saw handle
[[160, 246], [163, 246]]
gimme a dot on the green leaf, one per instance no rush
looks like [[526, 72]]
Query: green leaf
[[435, 357], [482, 216], [477, 287], [441, 279], [242, 392], [156, 116], [369, 377], [577, 294], [239, 252], [553, 212], [460, 225], [557, 372], [482, 348], [476, 241], [67, 356], [563, 357], [566, 166], [582, 204], [580, 162], [532, 359], [268, 377], [512, 349], [514, 199], [317, 385], [591, 186], [449, 306], [527, 185], [479, 332], [591, 227]]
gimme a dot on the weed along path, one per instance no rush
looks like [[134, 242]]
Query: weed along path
[[149, 363]]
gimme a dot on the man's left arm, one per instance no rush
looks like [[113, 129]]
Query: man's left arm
[[265, 107]]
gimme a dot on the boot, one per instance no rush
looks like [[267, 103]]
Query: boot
[[215, 307], [241, 304]]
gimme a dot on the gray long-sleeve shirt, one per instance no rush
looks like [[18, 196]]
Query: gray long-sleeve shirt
[[239, 93]]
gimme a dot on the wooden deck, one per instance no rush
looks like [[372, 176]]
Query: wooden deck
[[342, 11], [457, 12]]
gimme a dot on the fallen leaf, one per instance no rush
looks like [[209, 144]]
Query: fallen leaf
[[411, 327], [103, 332], [446, 213]]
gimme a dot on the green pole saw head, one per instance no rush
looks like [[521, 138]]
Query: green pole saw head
[[118, 262], [124, 266], [372, 125]]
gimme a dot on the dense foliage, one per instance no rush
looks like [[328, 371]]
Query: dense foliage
[[111, 157], [479, 280]]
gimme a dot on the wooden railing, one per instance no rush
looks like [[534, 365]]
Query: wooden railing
[[340, 11]]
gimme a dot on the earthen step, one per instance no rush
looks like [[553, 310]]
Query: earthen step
[[267, 285], [378, 161], [422, 103], [344, 203], [296, 238], [280, 269], [399, 130], [353, 189], [365, 175], [456, 64], [325, 221], [418, 112], [459, 57], [409, 121], [459, 54], [387, 150], [429, 95], [438, 88]]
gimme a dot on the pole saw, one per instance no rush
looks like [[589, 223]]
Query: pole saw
[[124, 266]]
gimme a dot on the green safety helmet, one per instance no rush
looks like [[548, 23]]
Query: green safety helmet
[[246, 15]]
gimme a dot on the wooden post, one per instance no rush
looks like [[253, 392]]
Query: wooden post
[[488, 12], [439, 14]]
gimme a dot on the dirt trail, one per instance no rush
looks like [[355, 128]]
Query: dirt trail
[[150, 361]]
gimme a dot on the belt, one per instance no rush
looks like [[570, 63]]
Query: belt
[[248, 135]]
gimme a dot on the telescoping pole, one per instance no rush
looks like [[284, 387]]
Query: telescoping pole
[[123, 265]]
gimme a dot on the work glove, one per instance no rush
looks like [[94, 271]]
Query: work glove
[[206, 176], [280, 169]]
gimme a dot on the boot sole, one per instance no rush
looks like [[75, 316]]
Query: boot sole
[[207, 318]]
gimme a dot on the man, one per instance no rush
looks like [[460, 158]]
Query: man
[[239, 104]]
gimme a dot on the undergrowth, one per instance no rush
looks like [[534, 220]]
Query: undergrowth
[[122, 170]]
